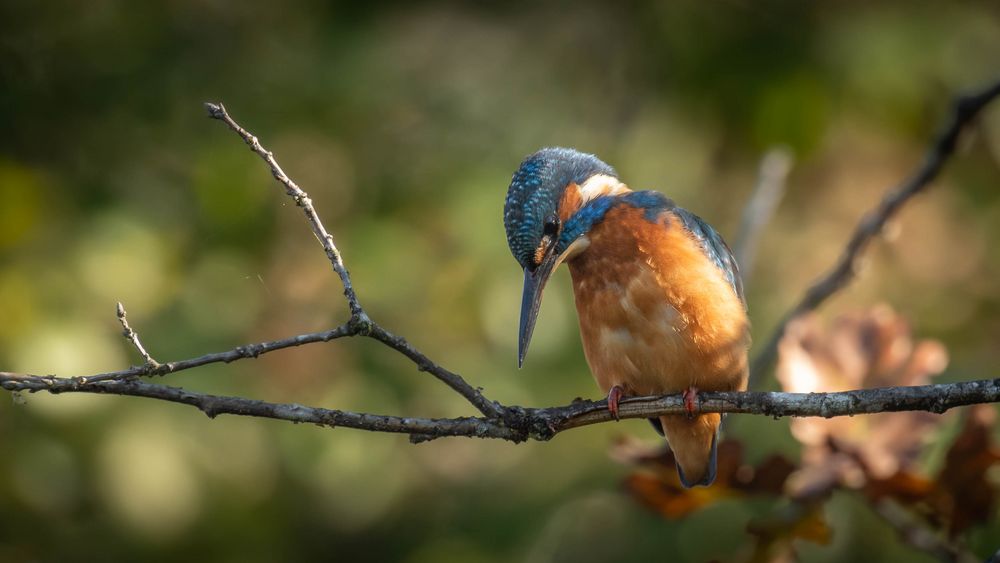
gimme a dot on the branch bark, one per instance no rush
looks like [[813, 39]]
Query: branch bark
[[516, 423]]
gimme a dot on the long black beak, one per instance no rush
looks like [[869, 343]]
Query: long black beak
[[531, 301]]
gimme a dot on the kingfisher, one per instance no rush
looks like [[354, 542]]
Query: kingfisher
[[658, 292]]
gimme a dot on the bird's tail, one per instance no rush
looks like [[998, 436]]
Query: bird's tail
[[694, 442]]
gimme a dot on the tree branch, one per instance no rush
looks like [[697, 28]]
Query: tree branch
[[964, 109], [520, 423], [512, 422]]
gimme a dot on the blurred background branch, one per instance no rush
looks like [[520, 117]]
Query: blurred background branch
[[963, 111], [771, 177], [921, 536]]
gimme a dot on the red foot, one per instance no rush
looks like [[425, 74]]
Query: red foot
[[690, 396], [614, 395]]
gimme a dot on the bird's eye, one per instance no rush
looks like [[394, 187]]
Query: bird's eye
[[551, 226]]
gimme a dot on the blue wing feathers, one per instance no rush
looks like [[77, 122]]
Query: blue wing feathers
[[715, 248], [711, 241]]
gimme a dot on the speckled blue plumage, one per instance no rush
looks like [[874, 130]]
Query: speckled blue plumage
[[535, 190]]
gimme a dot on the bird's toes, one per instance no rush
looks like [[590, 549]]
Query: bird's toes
[[614, 396], [690, 397]]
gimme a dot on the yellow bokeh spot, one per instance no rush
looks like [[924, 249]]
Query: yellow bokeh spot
[[21, 191], [18, 302], [66, 348], [146, 478], [501, 310], [236, 452], [359, 478], [123, 260]]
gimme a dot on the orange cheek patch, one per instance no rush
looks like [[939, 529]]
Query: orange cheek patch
[[570, 202], [539, 253], [542, 248]]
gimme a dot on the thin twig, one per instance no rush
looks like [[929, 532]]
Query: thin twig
[[774, 168], [360, 324], [424, 363], [239, 353], [964, 109], [301, 198], [133, 337]]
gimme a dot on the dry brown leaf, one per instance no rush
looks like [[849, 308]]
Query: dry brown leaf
[[904, 486], [965, 494], [859, 350]]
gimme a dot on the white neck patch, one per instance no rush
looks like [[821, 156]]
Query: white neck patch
[[599, 185]]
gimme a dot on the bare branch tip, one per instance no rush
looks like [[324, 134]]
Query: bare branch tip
[[215, 111]]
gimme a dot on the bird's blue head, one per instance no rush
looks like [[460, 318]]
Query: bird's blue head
[[544, 196]]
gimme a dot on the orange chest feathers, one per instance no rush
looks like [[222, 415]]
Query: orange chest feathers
[[656, 314]]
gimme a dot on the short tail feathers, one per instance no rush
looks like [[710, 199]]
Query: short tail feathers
[[709, 476], [695, 446], [657, 425]]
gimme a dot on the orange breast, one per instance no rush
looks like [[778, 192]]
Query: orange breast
[[656, 314]]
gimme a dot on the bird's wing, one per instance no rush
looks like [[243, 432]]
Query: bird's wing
[[711, 242], [715, 248]]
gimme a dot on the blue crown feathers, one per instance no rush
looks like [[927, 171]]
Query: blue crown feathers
[[535, 191]]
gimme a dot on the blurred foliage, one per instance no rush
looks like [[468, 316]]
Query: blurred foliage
[[403, 122]]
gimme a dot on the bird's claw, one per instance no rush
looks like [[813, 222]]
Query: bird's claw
[[614, 395], [690, 397]]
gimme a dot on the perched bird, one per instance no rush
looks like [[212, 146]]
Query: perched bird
[[658, 292]]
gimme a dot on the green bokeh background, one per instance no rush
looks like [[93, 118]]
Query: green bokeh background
[[404, 121]]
